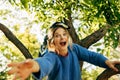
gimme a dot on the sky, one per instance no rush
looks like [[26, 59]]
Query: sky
[[20, 17]]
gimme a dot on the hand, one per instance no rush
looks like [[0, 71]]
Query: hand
[[22, 70], [52, 47], [111, 64]]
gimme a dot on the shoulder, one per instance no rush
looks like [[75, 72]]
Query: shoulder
[[76, 46], [48, 57], [79, 49], [50, 54]]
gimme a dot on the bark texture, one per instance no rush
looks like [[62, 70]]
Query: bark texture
[[15, 41], [106, 74]]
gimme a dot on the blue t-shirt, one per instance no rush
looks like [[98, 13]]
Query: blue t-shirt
[[57, 67]]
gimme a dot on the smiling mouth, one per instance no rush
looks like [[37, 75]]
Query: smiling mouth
[[62, 43]]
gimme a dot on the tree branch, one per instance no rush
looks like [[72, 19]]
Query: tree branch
[[16, 42], [94, 37], [106, 74], [72, 31]]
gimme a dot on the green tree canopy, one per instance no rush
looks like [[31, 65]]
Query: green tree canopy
[[89, 20]]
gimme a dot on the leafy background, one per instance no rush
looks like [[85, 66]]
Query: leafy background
[[30, 19]]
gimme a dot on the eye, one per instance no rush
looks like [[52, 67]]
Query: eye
[[65, 34], [57, 35]]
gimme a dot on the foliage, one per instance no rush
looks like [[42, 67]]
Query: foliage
[[3, 75], [30, 41], [89, 14], [90, 75]]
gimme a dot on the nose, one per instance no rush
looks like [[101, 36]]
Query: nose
[[62, 36]]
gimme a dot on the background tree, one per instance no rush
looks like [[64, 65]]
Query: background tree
[[20, 27], [89, 21]]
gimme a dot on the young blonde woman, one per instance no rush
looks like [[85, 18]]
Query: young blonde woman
[[61, 61]]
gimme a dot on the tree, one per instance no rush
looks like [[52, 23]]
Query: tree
[[92, 16]]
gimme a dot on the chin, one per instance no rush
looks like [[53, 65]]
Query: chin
[[63, 48]]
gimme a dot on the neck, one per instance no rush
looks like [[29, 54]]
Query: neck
[[63, 52]]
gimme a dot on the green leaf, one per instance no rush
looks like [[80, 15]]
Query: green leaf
[[97, 44], [25, 3], [115, 44], [112, 1], [99, 49]]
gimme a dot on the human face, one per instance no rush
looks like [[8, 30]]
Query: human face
[[61, 38]]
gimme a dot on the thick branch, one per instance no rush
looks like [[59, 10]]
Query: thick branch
[[106, 74], [14, 40], [89, 40], [94, 37]]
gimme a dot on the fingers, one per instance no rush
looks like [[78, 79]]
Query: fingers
[[112, 64], [13, 64], [116, 62], [22, 65], [13, 70], [114, 68], [16, 72], [51, 46], [21, 70], [17, 76], [20, 74]]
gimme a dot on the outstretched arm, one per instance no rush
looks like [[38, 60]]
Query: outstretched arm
[[22, 70]]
